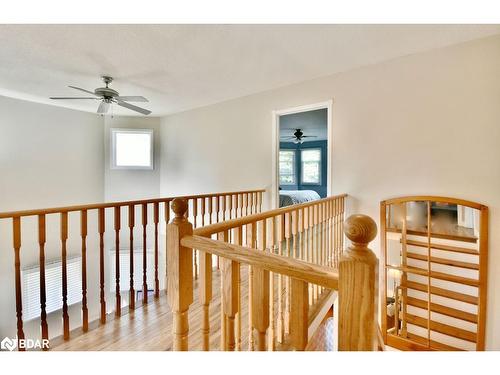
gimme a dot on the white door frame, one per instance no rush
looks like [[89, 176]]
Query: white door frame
[[276, 144]]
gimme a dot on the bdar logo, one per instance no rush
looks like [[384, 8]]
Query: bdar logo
[[8, 344]]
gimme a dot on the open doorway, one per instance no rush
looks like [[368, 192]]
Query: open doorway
[[302, 154]]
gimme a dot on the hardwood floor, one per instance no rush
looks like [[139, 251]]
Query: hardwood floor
[[149, 328]]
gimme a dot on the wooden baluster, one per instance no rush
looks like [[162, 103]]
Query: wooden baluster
[[239, 211], [195, 253], [167, 212], [210, 215], [167, 220], [205, 296], [259, 202], [43, 294], [305, 223], [223, 321], [131, 225], [330, 239], [342, 209], [272, 243], [238, 240], [311, 248], [299, 314], [281, 239], [251, 231], [145, 254], [187, 211], [358, 287], [156, 220], [83, 232], [260, 287], [286, 314], [300, 235], [217, 208], [230, 280], [203, 211], [337, 233], [16, 237], [316, 246], [101, 219], [231, 206], [118, 306], [179, 274], [295, 227], [224, 197], [195, 212], [323, 237], [64, 238]]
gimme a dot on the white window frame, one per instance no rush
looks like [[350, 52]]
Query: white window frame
[[294, 167], [115, 131], [302, 166]]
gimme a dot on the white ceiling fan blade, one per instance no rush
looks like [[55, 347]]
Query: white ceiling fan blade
[[87, 91], [132, 99], [103, 107], [69, 97], [133, 107]]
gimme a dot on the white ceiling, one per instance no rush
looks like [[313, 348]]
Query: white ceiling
[[180, 67]]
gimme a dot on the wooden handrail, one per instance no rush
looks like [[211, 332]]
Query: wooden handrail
[[312, 273], [226, 203], [432, 198], [93, 206], [230, 224]]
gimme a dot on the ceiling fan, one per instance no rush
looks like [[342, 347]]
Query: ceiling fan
[[107, 96], [298, 136]]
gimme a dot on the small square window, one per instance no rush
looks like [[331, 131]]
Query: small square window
[[131, 149]]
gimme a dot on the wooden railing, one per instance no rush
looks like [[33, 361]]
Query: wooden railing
[[300, 247], [200, 209]]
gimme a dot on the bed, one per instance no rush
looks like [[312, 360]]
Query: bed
[[289, 197]]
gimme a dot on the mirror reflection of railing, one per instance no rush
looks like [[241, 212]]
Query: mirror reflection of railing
[[434, 251]]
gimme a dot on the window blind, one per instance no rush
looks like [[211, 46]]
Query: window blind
[[53, 285], [125, 269]]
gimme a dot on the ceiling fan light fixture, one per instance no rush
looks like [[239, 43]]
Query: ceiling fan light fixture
[[107, 96]]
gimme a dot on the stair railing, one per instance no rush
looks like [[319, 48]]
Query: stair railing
[[300, 245], [83, 221]]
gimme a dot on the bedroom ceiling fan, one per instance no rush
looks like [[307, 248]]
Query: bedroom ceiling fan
[[108, 96], [298, 136]]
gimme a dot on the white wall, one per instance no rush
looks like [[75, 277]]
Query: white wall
[[49, 156], [423, 124]]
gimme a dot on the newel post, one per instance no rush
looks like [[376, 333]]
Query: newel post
[[179, 274], [358, 287]]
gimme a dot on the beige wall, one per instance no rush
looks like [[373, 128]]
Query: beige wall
[[421, 124], [49, 156]]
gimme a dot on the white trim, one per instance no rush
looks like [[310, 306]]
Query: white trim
[[276, 145], [114, 131]]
